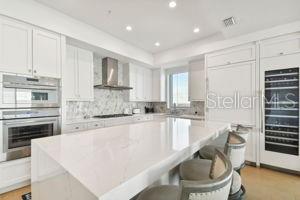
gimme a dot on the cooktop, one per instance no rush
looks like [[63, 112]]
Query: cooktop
[[112, 115]]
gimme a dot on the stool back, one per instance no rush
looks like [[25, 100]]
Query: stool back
[[243, 131], [235, 149], [216, 188]]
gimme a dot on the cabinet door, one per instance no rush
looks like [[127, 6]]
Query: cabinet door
[[140, 84], [231, 92], [85, 75], [46, 54], [158, 85], [147, 84], [133, 82], [284, 45], [231, 56], [15, 47], [70, 75], [197, 81]]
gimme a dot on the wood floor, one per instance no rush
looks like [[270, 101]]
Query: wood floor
[[260, 183]]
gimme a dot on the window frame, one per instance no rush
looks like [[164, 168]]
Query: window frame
[[170, 73]]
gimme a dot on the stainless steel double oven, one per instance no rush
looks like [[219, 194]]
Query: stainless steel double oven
[[29, 109]]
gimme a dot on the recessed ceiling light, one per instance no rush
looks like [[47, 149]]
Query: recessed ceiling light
[[196, 30], [172, 4], [157, 44], [129, 28]]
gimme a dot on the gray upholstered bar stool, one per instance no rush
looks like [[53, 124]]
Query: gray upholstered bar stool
[[207, 151], [216, 185], [198, 169]]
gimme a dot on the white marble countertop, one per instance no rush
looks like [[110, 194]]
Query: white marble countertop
[[87, 120], [116, 163]]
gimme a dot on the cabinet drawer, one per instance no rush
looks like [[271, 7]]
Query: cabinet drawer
[[69, 128], [118, 121], [95, 125], [14, 172], [280, 46], [143, 118], [231, 56]]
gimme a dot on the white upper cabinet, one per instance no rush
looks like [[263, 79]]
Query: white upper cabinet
[[231, 56], [85, 74], [15, 47], [158, 85], [70, 74], [280, 46], [78, 75], [197, 88], [25, 49], [147, 84], [46, 54], [140, 79]]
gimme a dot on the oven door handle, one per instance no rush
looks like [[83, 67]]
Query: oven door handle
[[30, 121], [29, 87]]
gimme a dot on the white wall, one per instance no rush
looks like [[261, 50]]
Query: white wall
[[45, 17], [189, 51]]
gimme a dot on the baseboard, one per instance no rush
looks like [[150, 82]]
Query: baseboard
[[249, 163], [279, 169], [14, 187]]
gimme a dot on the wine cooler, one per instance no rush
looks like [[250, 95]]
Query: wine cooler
[[281, 109]]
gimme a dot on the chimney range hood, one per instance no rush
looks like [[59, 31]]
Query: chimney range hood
[[110, 75]]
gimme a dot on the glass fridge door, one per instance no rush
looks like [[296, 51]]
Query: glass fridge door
[[281, 98]]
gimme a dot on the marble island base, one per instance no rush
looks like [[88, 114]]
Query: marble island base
[[115, 163]]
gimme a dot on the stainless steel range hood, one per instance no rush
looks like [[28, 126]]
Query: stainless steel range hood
[[110, 75]]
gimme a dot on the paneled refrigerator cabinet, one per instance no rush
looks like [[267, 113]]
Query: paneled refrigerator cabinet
[[280, 112]]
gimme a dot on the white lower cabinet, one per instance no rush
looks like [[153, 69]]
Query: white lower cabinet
[[78, 75], [82, 126], [70, 128], [14, 174], [95, 125]]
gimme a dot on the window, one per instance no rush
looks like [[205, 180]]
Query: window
[[179, 90]]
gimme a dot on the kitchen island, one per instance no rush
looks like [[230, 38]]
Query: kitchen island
[[115, 163]]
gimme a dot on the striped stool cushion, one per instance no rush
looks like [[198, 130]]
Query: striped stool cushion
[[208, 151], [164, 192]]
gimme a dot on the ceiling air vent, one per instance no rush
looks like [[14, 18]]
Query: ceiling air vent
[[229, 21]]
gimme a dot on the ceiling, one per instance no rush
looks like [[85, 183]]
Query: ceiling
[[153, 21]]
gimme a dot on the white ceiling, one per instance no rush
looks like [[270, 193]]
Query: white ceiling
[[153, 20]]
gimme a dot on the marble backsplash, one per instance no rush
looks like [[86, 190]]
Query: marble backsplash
[[196, 107], [116, 101], [106, 102]]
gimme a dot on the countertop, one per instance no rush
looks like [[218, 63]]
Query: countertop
[[87, 120], [116, 163]]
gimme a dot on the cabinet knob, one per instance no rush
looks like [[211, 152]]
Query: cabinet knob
[[77, 128], [34, 71], [281, 53], [29, 70]]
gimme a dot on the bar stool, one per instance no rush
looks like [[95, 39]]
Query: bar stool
[[207, 151], [216, 186], [198, 169]]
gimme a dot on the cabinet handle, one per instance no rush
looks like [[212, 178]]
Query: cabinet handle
[[281, 53], [76, 127]]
